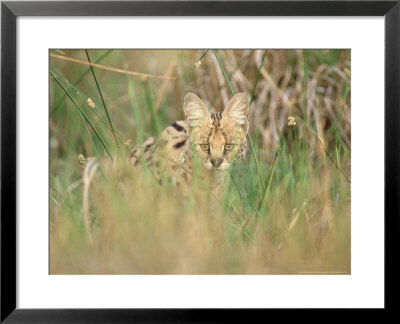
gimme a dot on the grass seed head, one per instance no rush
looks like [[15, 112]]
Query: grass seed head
[[90, 103]]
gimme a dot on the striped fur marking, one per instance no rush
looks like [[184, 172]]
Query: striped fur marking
[[180, 144], [178, 127]]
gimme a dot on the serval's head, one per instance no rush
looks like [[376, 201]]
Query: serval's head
[[218, 139]]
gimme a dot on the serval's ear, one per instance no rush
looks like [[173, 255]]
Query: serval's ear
[[236, 111], [196, 111]]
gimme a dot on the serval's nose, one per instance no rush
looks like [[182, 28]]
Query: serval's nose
[[216, 162]]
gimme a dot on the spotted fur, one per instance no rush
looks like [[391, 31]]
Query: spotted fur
[[217, 139]]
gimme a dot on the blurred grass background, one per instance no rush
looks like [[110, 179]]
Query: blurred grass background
[[286, 208]]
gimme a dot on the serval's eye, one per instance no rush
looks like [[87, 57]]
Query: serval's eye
[[205, 147], [228, 147]]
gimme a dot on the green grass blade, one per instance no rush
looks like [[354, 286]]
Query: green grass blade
[[237, 187], [155, 119], [103, 101], [77, 81], [267, 188], [256, 161], [94, 111], [88, 132], [84, 115], [251, 101], [223, 72], [135, 110]]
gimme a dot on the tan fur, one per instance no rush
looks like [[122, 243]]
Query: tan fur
[[217, 140]]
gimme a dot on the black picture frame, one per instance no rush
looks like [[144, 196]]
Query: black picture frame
[[9, 13]]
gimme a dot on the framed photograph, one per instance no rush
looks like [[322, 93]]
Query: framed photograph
[[187, 161]]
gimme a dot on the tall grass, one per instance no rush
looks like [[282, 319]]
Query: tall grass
[[286, 207]]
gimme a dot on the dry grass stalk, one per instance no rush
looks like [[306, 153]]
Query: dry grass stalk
[[108, 68], [163, 87], [88, 175]]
